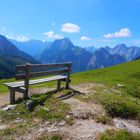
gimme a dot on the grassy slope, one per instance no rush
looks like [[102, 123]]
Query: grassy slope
[[127, 74], [123, 104], [126, 102]]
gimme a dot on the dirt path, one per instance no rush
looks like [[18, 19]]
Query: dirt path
[[5, 97], [84, 126], [82, 110]]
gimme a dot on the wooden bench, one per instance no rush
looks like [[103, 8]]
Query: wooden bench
[[25, 72]]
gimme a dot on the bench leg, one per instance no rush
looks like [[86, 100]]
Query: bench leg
[[12, 96], [25, 95], [67, 84], [58, 85]]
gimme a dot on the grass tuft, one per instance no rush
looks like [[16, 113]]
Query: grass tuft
[[119, 135]]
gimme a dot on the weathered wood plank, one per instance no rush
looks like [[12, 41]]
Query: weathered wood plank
[[38, 74], [20, 89], [33, 66], [20, 67], [37, 81], [30, 71]]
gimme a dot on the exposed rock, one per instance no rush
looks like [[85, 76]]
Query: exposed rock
[[47, 123], [9, 107], [83, 130], [29, 104], [18, 120], [67, 117], [120, 85], [129, 125], [62, 123], [3, 126]]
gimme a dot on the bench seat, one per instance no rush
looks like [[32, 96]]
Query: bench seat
[[37, 81], [59, 72]]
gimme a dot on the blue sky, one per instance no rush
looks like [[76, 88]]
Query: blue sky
[[86, 22]]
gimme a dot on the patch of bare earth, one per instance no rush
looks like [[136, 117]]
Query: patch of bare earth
[[83, 130], [86, 88], [84, 126], [82, 110]]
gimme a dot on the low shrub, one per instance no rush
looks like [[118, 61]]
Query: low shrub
[[121, 109], [119, 135]]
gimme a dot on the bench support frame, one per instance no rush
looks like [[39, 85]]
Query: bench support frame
[[12, 95], [24, 88]]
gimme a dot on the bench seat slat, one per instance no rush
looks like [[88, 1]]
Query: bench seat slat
[[37, 81]]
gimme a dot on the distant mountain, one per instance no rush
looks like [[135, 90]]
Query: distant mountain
[[102, 58], [62, 51], [90, 49], [32, 47], [130, 53], [10, 56]]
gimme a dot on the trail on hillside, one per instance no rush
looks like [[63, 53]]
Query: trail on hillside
[[84, 125]]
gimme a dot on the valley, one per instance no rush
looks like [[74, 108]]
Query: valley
[[101, 104]]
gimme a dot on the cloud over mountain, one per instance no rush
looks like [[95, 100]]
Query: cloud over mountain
[[70, 28], [84, 38], [122, 33], [52, 35]]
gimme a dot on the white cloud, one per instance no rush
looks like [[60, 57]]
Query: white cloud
[[84, 38], [10, 35], [52, 35], [70, 28], [21, 38], [125, 32]]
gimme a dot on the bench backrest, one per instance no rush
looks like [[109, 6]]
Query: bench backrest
[[36, 70]]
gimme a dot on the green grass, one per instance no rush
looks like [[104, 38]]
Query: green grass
[[127, 74], [3, 88], [53, 110], [121, 102], [44, 107], [47, 137], [124, 106], [125, 103], [119, 135], [14, 131]]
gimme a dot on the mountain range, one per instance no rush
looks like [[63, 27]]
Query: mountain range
[[10, 56], [82, 59], [130, 53], [62, 50], [32, 47]]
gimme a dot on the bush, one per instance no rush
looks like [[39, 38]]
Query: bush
[[119, 135], [121, 109], [47, 137], [103, 119]]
